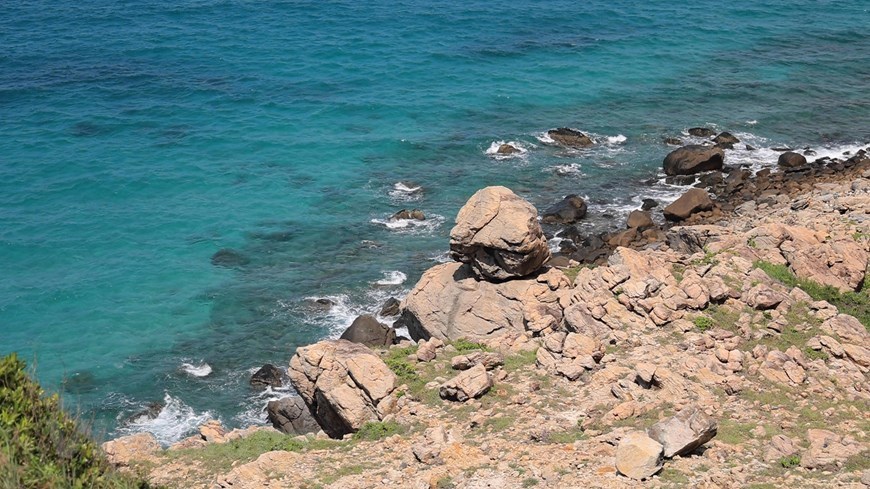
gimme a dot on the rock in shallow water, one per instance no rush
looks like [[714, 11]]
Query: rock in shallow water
[[570, 137], [790, 159], [693, 159], [366, 329], [570, 210], [268, 375]]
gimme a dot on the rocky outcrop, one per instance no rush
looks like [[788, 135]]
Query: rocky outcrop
[[726, 140], [694, 200], [290, 415], [683, 433], [569, 210], [570, 137], [267, 376], [701, 132], [498, 234], [366, 329], [122, 451], [507, 149], [470, 384], [390, 307], [450, 302], [828, 450], [404, 214], [790, 159], [343, 384], [638, 456], [692, 159], [488, 359]]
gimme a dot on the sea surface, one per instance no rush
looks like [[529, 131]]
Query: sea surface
[[137, 139]]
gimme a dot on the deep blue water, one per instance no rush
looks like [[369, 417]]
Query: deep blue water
[[139, 138]]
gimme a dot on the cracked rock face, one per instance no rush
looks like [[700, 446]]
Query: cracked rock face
[[498, 234], [343, 384], [683, 433], [638, 456]]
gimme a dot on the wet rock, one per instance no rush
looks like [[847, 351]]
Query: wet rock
[[229, 259], [366, 329], [701, 132], [674, 141], [268, 375], [290, 415], [649, 204], [405, 214], [498, 234], [692, 159], [790, 159], [507, 149], [570, 137], [390, 308], [570, 210], [639, 219], [694, 200], [151, 411], [638, 456], [683, 433], [726, 140], [470, 384]]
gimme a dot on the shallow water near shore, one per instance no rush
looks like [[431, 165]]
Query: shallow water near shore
[[139, 140]]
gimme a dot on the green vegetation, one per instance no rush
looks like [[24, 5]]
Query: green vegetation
[[373, 431], [41, 446], [751, 242], [673, 476], [708, 259], [462, 345], [790, 461], [677, 271], [500, 423], [733, 432], [342, 472], [703, 322], [530, 482], [853, 303], [569, 436], [520, 360], [445, 483]]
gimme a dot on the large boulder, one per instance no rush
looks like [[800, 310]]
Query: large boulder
[[290, 415], [344, 385], [683, 433], [790, 159], [569, 210], [692, 159], [449, 303], [638, 456], [570, 137], [367, 330], [726, 140], [498, 234], [639, 220], [470, 384], [694, 200]]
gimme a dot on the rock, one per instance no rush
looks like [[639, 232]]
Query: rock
[[780, 446], [692, 159], [674, 141], [683, 433], [638, 456], [726, 139], [133, 448], [639, 219], [507, 149], [367, 330], [790, 159], [848, 328], [268, 375], [570, 137], [229, 258], [414, 214], [489, 360], [828, 450], [694, 200], [763, 297], [427, 350], [390, 308], [342, 383], [212, 431], [151, 411], [649, 204], [498, 234], [857, 354], [570, 210], [701, 132], [449, 303], [470, 384], [290, 415]]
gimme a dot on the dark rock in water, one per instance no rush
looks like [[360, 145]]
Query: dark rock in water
[[790, 159], [693, 159], [639, 219], [681, 180], [290, 415], [649, 204], [268, 375], [367, 330], [571, 209], [151, 411], [710, 179], [572, 233], [415, 214], [701, 132], [326, 303], [785, 148], [694, 200], [570, 137], [750, 148], [507, 149], [726, 138], [229, 258], [809, 152], [79, 382], [390, 307], [674, 141]]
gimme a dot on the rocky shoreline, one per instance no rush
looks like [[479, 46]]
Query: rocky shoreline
[[723, 343]]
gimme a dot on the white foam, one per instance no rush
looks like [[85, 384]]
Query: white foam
[[571, 169], [752, 122], [202, 370], [404, 188], [175, 421], [405, 192], [410, 225], [618, 139], [393, 277], [254, 406], [492, 151], [545, 138]]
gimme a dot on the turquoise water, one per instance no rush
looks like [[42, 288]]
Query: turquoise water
[[139, 138]]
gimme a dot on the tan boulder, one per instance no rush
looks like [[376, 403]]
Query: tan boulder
[[498, 234], [139, 447], [694, 200], [692, 159], [449, 303], [848, 328], [857, 354], [470, 384], [638, 456], [683, 433], [342, 383], [639, 219]]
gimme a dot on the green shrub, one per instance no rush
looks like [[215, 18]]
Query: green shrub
[[373, 431], [41, 446], [530, 482], [790, 461], [462, 345], [703, 322]]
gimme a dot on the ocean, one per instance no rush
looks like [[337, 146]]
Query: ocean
[[138, 139]]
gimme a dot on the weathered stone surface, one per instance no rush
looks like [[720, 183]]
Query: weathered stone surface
[[567, 211], [694, 200], [848, 328], [259, 473], [570, 137], [638, 456], [126, 449], [780, 446], [507, 149], [764, 297], [489, 360], [639, 219], [405, 214], [390, 307], [790, 159], [828, 450], [692, 159], [498, 234], [449, 303], [290, 415], [366, 329], [683, 433], [342, 383], [726, 139], [268, 375], [470, 384], [701, 132]]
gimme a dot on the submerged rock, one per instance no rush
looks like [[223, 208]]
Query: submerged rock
[[570, 137], [414, 214], [692, 159], [229, 258], [507, 149], [701, 132], [726, 140]]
